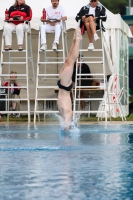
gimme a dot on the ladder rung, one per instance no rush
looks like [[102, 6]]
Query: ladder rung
[[43, 87], [6, 112], [13, 99], [16, 58], [90, 99], [47, 111], [10, 75], [90, 51], [58, 50], [49, 78], [15, 78], [89, 87], [90, 111], [22, 87], [96, 74], [50, 63], [14, 51], [48, 74], [90, 57], [13, 63], [88, 78], [53, 58], [47, 99], [101, 58], [94, 62], [86, 75]]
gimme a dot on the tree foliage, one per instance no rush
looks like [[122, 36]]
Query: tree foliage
[[114, 5]]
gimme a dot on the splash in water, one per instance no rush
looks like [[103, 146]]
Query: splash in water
[[73, 127]]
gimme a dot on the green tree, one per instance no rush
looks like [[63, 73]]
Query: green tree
[[114, 5]]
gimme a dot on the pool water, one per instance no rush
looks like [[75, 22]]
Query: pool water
[[45, 163]]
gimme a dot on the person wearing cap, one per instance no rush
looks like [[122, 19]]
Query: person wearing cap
[[18, 13], [54, 14], [13, 92], [90, 16], [83, 68]]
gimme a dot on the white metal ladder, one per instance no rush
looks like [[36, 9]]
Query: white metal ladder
[[23, 77], [91, 60], [45, 62]]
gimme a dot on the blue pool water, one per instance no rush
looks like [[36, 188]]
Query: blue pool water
[[45, 163]]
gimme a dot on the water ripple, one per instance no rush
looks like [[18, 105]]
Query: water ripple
[[39, 149]]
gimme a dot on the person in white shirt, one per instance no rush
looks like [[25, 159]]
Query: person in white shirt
[[90, 16], [54, 14]]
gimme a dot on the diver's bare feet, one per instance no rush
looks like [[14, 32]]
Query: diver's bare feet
[[78, 33]]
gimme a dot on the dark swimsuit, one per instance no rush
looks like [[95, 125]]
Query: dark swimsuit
[[64, 87]]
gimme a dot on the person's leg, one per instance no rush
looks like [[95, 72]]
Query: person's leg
[[91, 24], [8, 29], [69, 53], [43, 30], [20, 35], [89, 32], [57, 29], [18, 108], [67, 70], [13, 105], [57, 33], [43, 33], [16, 104]]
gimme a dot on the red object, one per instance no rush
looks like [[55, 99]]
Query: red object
[[23, 10], [7, 84], [44, 14], [6, 14], [117, 110], [83, 29]]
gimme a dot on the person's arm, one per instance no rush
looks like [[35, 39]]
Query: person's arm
[[29, 15], [64, 18], [103, 15], [80, 14], [45, 20], [9, 13]]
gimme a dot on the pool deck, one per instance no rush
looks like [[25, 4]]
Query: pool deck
[[56, 123]]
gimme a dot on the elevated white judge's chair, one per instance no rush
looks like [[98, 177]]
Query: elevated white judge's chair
[[10, 60]]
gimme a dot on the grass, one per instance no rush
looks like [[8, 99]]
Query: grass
[[24, 118]]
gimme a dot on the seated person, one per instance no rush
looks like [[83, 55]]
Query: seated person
[[18, 13], [13, 93], [88, 82], [90, 16], [54, 15]]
